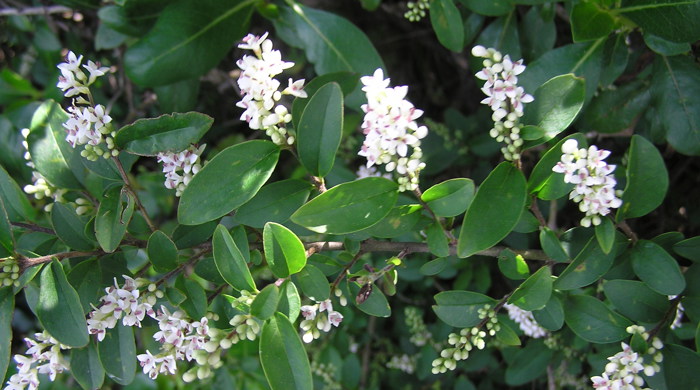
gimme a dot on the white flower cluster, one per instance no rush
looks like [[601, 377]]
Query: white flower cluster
[[261, 91], [316, 320], [404, 363], [43, 356], [678, 319], [88, 124], [125, 303], [363, 172], [526, 321], [180, 168], [625, 367], [465, 341], [416, 326], [390, 128], [595, 184], [417, 10], [9, 272], [504, 96]]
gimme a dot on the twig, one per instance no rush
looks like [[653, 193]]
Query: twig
[[535, 208], [346, 269], [27, 262], [127, 185], [53, 9], [552, 222], [670, 313], [319, 183], [419, 196], [35, 228], [628, 231]]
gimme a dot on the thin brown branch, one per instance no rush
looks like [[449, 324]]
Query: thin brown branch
[[628, 231], [127, 185], [53, 9], [535, 208], [669, 315], [36, 228], [346, 269], [27, 262], [319, 183]]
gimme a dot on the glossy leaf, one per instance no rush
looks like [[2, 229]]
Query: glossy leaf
[[16, 204], [162, 252], [375, 305], [283, 357], [605, 234], [533, 293], [665, 48], [189, 38], [690, 248], [275, 202], [460, 308], [450, 198], [647, 179], [195, 304], [399, 221], [434, 267], [230, 261], [437, 241], [313, 283], [547, 184], [656, 268], [290, 301], [507, 335], [118, 354], [447, 23], [551, 317], [552, 246], [589, 21], [7, 239], [588, 266], [59, 309], [635, 300], [87, 279], [346, 80], [167, 133], [87, 368], [227, 181], [113, 218], [7, 305], [265, 303], [512, 266], [320, 129], [186, 236], [593, 321], [70, 227], [675, 20], [679, 367], [614, 110], [284, 251], [348, 207], [495, 210]]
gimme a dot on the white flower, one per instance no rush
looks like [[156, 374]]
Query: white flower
[[180, 167], [525, 320]]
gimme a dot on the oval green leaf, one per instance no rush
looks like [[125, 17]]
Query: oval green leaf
[[447, 23], [16, 203], [450, 198], [460, 308], [512, 266], [679, 367], [162, 252], [284, 251], [348, 207], [593, 321], [118, 354], [551, 317], [275, 202], [313, 283], [167, 133], [283, 357], [647, 179], [552, 246], [657, 268], [636, 301], [399, 221], [265, 303], [113, 218], [226, 182], [7, 239], [495, 210], [290, 301], [230, 261], [534, 292], [70, 227], [320, 129], [588, 266], [690, 248], [375, 305], [87, 368]]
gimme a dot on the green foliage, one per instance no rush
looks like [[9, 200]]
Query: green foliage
[[282, 355], [167, 133]]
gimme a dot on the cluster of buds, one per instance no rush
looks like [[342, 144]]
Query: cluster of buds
[[327, 373], [390, 128], [245, 327], [9, 272], [625, 367], [126, 303], [179, 168], [417, 10], [526, 321], [88, 124], [315, 320], [504, 96], [43, 356], [466, 340], [261, 94], [404, 363], [595, 184], [416, 326]]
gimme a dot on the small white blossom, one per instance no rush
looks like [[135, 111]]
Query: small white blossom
[[319, 317], [525, 320], [180, 167], [43, 356]]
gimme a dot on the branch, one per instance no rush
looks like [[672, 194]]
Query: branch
[[127, 184], [27, 262], [54, 9], [36, 228]]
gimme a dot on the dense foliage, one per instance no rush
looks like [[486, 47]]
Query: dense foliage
[[439, 194]]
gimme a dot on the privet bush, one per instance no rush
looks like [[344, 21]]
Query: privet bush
[[236, 194]]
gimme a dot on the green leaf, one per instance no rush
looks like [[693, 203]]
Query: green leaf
[[437, 241], [675, 20], [227, 181], [533, 293], [113, 218], [330, 42], [589, 21], [538, 33], [162, 252], [167, 133], [502, 35], [283, 357], [635, 300], [605, 234], [16, 204], [488, 8], [375, 305], [118, 354], [447, 23], [593, 321], [495, 210], [284, 251], [690, 248], [507, 335], [275, 202], [87, 368], [512, 266], [588, 266], [70, 227], [181, 96], [348, 207], [206, 30], [679, 367], [614, 110], [551, 317], [557, 103], [460, 308], [7, 306], [665, 48], [434, 267], [528, 363], [399, 221], [7, 240], [647, 179], [346, 80], [59, 309], [552, 246], [86, 278], [677, 110], [265, 303], [320, 129], [196, 303], [547, 184], [188, 236], [450, 198], [290, 301], [313, 283], [657, 268], [230, 261], [14, 88]]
